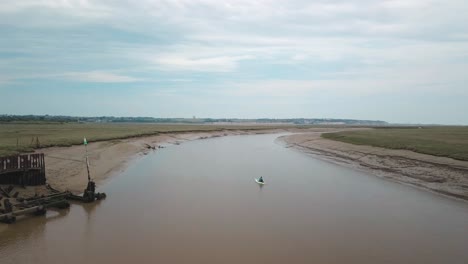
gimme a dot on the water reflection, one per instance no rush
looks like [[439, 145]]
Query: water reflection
[[29, 227], [90, 210]]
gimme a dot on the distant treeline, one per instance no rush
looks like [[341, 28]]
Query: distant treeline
[[112, 119]]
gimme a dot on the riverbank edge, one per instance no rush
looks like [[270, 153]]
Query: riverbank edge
[[440, 175]]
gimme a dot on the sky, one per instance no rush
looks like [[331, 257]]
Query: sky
[[401, 61]]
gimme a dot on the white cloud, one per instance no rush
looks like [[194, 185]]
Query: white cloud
[[210, 64], [81, 8], [90, 76], [402, 4], [98, 77]]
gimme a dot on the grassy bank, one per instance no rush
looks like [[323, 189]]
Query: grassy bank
[[439, 141], [22, 137]]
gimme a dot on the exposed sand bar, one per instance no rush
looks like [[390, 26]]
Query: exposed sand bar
[[437, 174]]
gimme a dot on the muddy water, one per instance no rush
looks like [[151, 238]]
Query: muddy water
[[198, 203]]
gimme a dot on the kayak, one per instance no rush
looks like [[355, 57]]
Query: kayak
[[259, 182]]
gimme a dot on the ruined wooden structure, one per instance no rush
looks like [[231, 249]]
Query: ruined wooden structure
[[15, 207], [24, 170], [29, 170], [35, 206], [89, 194]]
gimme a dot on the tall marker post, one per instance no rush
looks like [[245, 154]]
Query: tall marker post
[[85, 142]]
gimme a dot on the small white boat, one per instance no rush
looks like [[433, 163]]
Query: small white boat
[[259, 182]]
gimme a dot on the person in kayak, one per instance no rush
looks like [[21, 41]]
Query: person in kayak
[[260, 179]]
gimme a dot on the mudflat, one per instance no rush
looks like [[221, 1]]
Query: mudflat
[[442, 175]]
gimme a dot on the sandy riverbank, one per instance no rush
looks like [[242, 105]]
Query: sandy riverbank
[[437, 174]]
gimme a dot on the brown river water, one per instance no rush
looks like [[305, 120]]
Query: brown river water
[[198, 203]]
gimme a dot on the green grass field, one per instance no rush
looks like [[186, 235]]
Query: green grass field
[[57, 134], [439, 141]]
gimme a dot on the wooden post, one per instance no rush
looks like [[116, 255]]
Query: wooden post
[[87, 161]]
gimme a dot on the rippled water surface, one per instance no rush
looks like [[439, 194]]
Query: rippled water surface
[[198, 203]]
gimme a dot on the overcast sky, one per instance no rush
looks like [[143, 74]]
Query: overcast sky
[[403, 61]]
